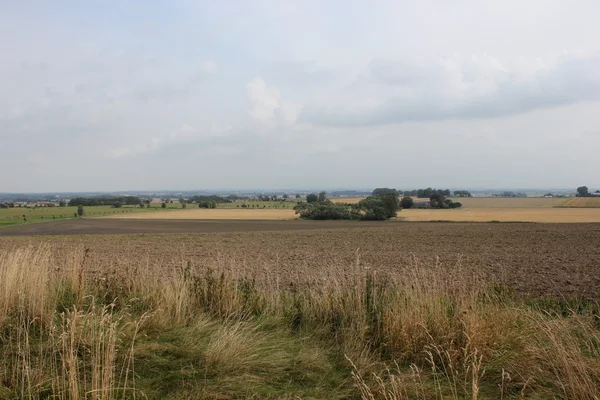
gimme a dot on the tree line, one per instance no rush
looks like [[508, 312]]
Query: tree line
[[422, 193], [104, 201]]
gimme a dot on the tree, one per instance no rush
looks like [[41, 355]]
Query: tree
[[312, 198], [583, 191], [117, 204], [462, 193], [406, 202], [440, 201], [297, 196], [62, 203], [383, 191], [390, 203], [163, 205], [181, 200], [378, 208], [80, 210], [322, 197], [142, 205], [285, 196]]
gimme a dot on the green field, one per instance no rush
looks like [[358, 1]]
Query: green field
[[23, 215], [257, 204]]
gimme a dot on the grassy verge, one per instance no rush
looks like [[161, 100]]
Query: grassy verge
[[213, 331]]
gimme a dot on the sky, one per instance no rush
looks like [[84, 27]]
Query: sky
[[185, 95]]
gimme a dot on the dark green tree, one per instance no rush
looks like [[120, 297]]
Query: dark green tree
[[163, 205], [80, 210], [312, 198], [583, 191], [383, 191], [406, 202]]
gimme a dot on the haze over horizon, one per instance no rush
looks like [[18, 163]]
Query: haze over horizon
[[277, 94]]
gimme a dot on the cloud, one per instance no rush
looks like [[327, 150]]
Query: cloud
[[267, 107], [184, 134], [390, 92], [265, 99]]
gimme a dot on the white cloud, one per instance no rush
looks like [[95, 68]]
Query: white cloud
[[479, 86], [184, 134], [265, 100], [290, 94]]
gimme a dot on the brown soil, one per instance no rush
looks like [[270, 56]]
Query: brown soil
[[126, 226], [533, 259]]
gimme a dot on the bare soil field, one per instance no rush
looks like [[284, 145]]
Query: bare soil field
[[582, 202], [532, 259], [503, 214], [217, 213], [99, 226]]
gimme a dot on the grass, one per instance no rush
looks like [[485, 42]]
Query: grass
[[22, 215], [218, 213], [258, 204], [215, 331]]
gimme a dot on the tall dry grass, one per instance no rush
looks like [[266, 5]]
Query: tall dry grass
[[71, 330]]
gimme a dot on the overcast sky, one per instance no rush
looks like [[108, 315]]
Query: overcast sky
[[118, 95]]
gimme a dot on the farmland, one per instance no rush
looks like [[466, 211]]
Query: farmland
[[503, 214], [473, 210], [301, 309], [487, 202], [21, 215], [238, 302], [582, 202], [217, 213]]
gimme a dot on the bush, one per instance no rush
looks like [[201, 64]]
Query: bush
[[207, 204], [80, 210], [319, 211], [406, 202], [312, 198], [379, 208], [164, 205]]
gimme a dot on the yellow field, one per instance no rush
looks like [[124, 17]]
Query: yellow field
[[503, 214], [507, 202], [348, 200], [585, 202], [216, 213]]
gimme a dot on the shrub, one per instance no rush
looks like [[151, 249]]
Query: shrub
[[312, 198], [406, 202]]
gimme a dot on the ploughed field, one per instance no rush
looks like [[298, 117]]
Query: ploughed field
[[531, 259]]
